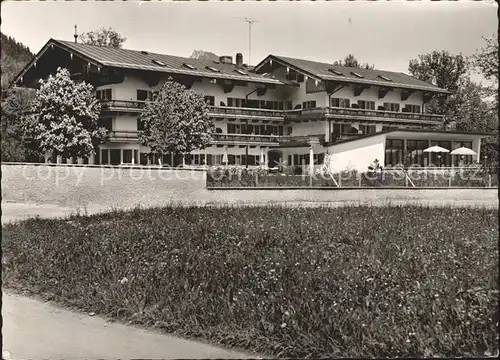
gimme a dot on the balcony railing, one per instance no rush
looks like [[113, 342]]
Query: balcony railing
[[220, 111], [245, 138], [301, 114], [123, 135], [249, 113], [361, 114], [383, 114], [122, 105], [302, 140]]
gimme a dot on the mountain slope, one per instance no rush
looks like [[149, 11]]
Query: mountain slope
[[14, 57]]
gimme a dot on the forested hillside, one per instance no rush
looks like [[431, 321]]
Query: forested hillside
[[14, 57]]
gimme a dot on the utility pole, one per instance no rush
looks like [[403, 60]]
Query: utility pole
[[76, 34], [250, 22]]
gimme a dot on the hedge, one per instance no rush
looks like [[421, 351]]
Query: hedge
[[330, 282], [240, 177]]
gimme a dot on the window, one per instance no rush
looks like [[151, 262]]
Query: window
[[115, 156], [255, 104], [415, 150], [394, 152], [412, 108], [104, 157], [289, 105], [189, 66], [143, 95], [289, 130], [339, 129], [300, 78], [211, 68], [210, 100], [140, 125], [309, 104], [103, 94], [391, 106], [342, 103], [158, 62], [336, 72], [127, 156], [368, 129], [368, 105], [357, 75], [384, 78]]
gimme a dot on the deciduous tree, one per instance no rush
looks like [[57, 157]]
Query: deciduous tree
[[486, 59], [351, 61], [103, 37], [447, 71], [17, 145], [176, 121], [65, 117]]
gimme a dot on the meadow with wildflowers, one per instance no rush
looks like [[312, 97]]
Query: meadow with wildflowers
[[353, 281]]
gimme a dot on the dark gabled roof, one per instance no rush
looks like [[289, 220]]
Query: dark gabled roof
[[148, 61], [324, 71]]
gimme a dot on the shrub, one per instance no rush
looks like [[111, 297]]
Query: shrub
[[350, 281]]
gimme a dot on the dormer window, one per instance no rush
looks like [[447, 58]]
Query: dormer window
[[144, 52], [211, 68], [241, 72], [158, 62], [384, 78], [336, 72], [189, 66], [357, 75]]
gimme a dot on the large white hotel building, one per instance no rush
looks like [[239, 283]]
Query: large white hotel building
[[283, 110]]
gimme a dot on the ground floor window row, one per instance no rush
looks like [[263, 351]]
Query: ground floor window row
[[129, 156], [396, 153]]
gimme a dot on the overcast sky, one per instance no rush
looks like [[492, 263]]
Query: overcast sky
[[386, 34]]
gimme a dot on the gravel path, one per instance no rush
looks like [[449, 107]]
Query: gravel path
[[34, 329]]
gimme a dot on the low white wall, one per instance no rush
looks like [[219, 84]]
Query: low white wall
[[357, 154]]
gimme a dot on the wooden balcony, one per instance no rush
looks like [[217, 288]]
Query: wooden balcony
[[304, 140], [136, 106], [122, 105], [352, 114], [246, 113], [119, 136], [235, 139], [382, 115]]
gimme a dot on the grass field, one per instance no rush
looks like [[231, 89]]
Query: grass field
[[329, 282]]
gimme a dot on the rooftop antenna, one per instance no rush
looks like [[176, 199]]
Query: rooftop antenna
[[250, 22], [76, 34]]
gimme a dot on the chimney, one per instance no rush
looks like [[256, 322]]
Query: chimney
[[226, 59], [75, 35], [239, 59]]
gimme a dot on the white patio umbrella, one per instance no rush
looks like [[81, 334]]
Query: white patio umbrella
[[463, 151], [436, 149]]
